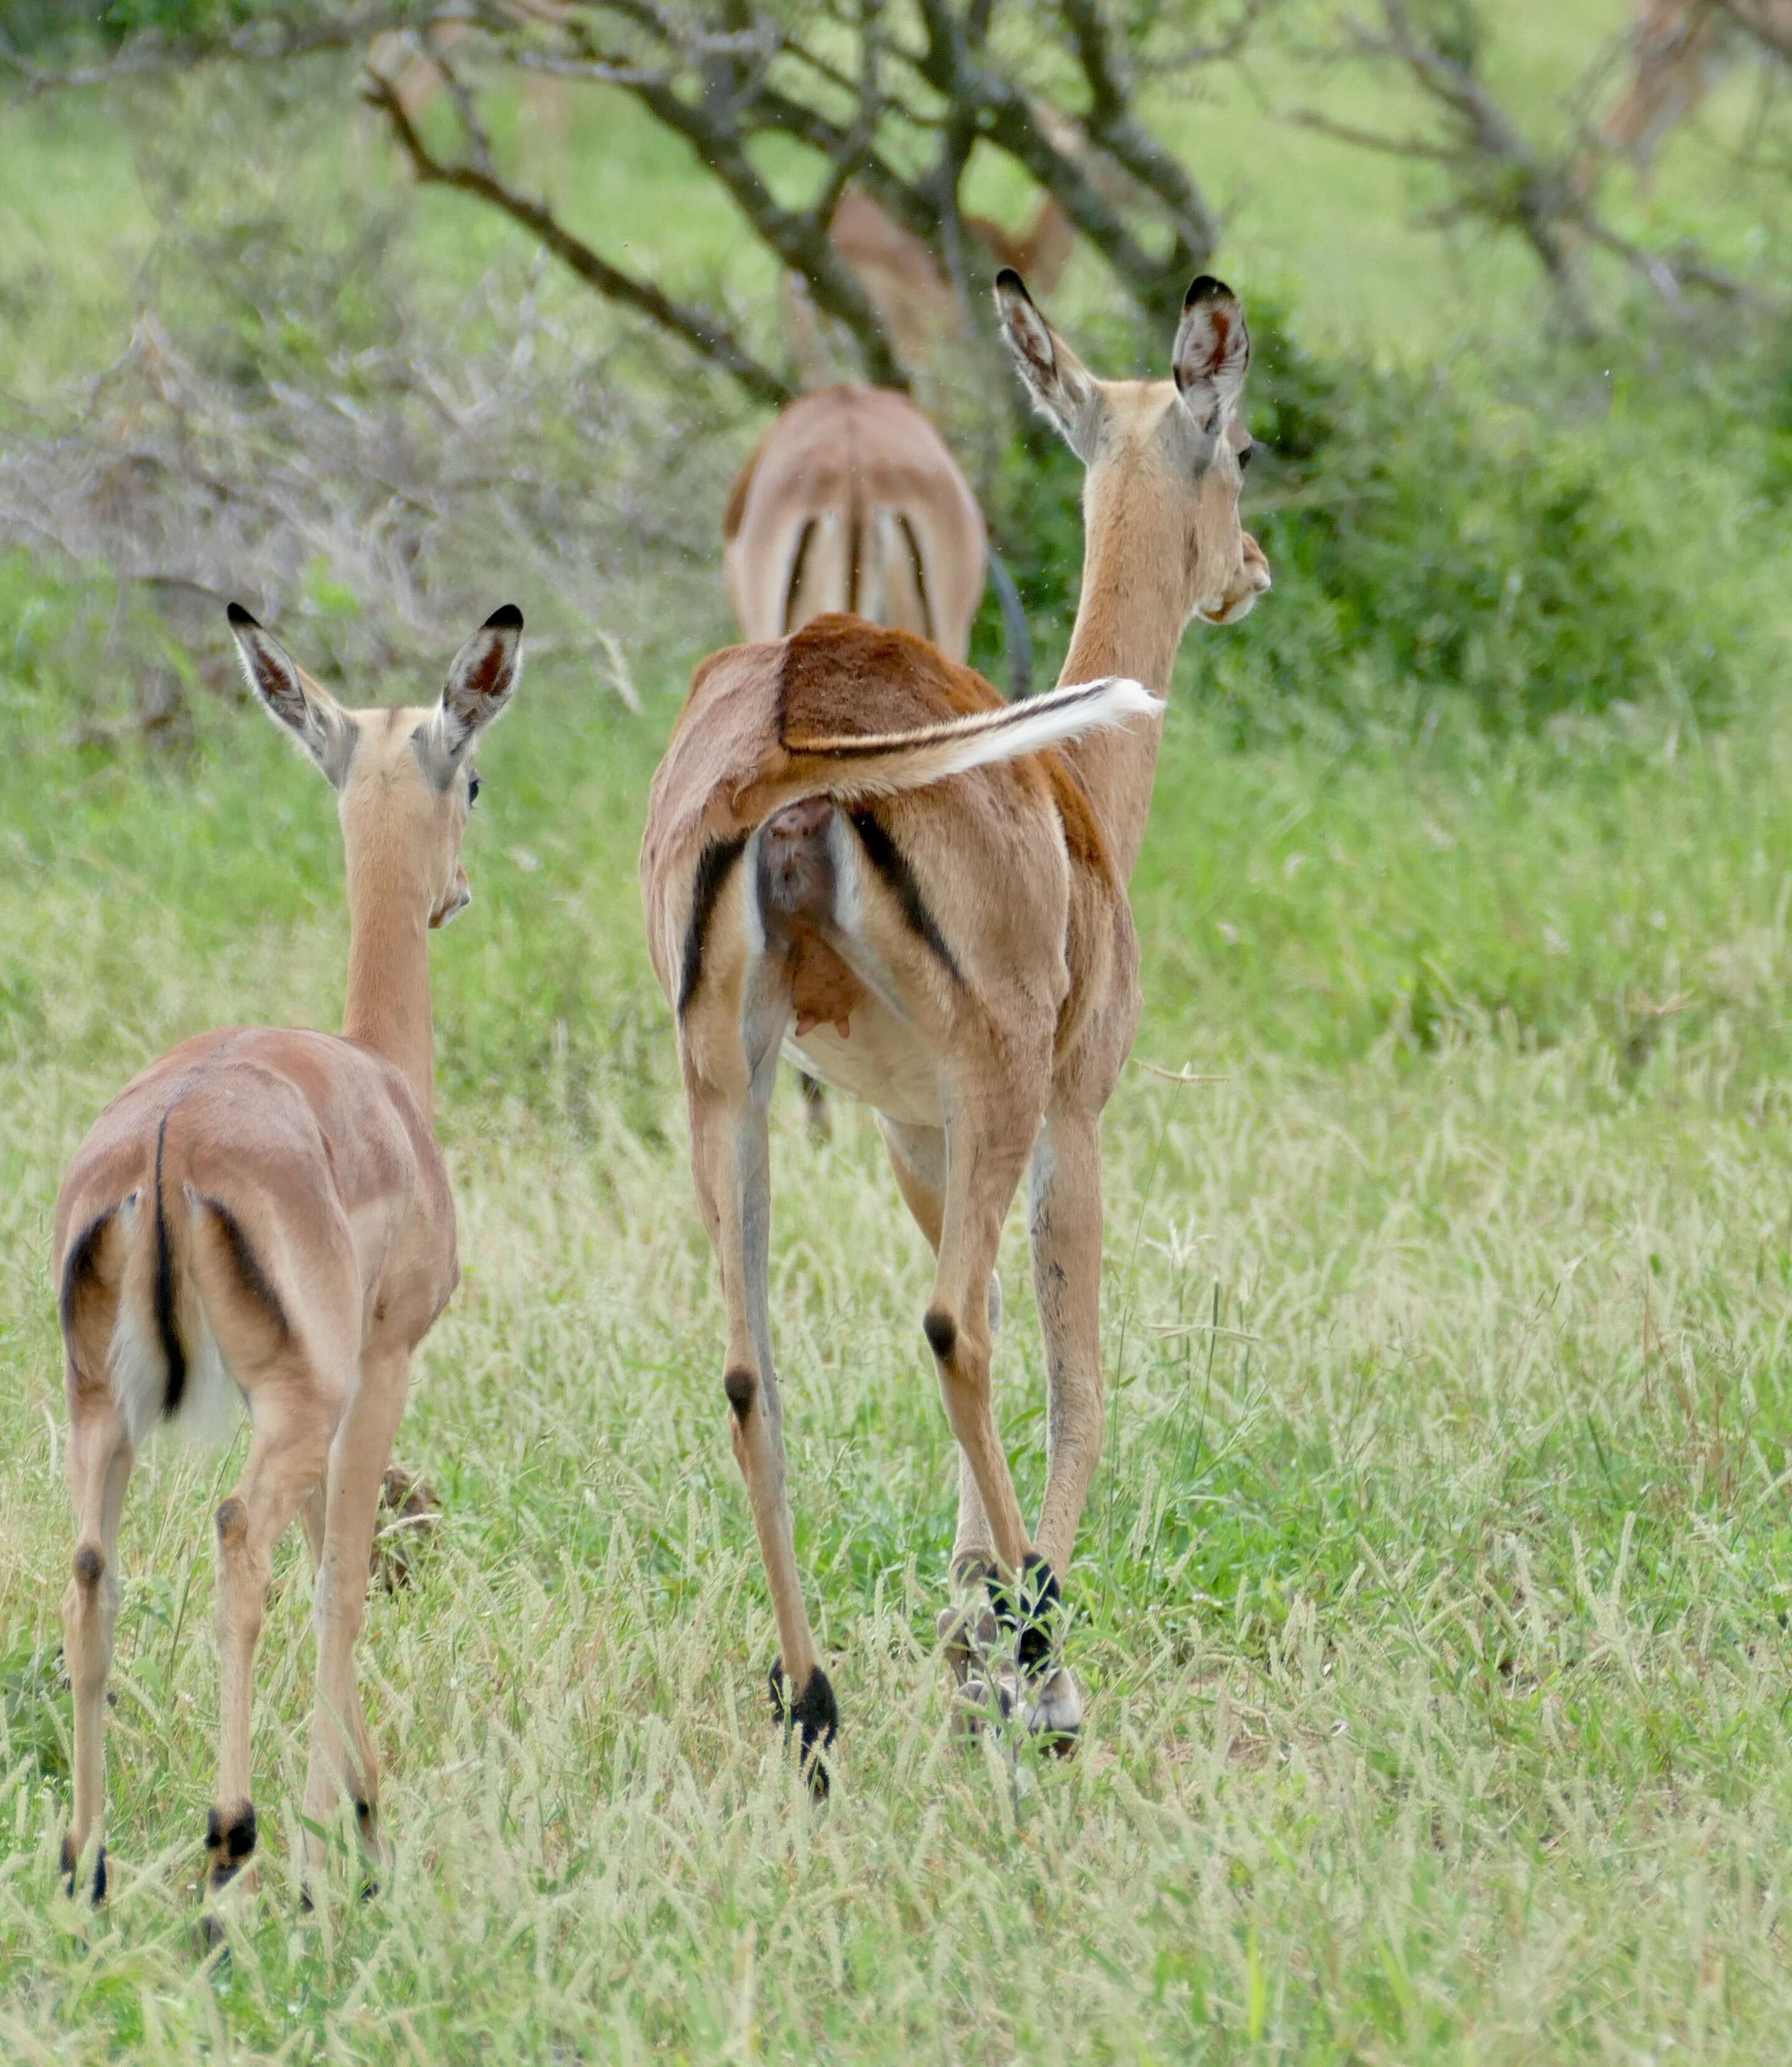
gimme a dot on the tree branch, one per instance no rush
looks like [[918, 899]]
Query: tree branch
[[707, 335], [266, 41]]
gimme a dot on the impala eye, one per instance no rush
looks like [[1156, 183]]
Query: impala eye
[[1245, 453], [472, 791]]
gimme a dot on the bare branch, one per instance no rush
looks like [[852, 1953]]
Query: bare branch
[[1373, 140], [699, 329]]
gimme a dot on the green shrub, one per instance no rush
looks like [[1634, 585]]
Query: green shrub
[[1427, 543]]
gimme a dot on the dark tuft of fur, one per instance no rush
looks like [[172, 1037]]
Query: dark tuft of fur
[[70, 1863], [89, 1566], [229, 1843], [1030, 1609], [815, 1713], [941, 1332], [739, 1386]]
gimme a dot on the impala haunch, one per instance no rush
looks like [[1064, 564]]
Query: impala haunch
[[264, 1214], [855, 851]]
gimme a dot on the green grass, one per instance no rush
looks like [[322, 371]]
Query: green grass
[[1433, 1591], [1432, 1599]]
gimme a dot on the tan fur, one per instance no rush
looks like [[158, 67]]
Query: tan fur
[[310, 1237], [993, 994], [914, 300], [845, 490]]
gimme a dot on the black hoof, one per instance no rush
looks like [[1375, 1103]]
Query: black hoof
[[815, 1713], [1030, 1608]]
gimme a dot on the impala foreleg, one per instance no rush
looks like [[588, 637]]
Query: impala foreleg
[[918, 1161], [1066, 1277], [989, 1133], [293, 1417], [342, 1753]]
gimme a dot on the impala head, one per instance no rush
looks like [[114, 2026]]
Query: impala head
[[1166, 460], [404, 778]]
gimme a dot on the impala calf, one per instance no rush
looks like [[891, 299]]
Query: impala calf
[[851, 835], [265, 1213]]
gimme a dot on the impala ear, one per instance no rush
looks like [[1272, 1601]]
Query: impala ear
[[302, 705], [482, 681], [1212, 353], [1063, 390]]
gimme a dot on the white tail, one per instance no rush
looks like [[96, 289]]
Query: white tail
[[879, 764]]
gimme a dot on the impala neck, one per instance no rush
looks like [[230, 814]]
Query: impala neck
[[1129, 622], [388, 1006]]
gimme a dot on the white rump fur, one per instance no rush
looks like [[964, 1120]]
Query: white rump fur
[[882, 764], [211, 1402]]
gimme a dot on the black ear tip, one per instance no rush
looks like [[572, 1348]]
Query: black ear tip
[[505, 618], [1205, 288], [240, 619], [1009, 281]]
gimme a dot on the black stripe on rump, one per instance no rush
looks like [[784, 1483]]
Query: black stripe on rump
[[920, 573], [799, 561], [254, 1280], [888, 859], [173, 1354], [713, 869], [83, 1258]]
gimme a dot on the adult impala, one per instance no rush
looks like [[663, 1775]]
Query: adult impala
[[852, 835], [852, 502], [265, 1213]]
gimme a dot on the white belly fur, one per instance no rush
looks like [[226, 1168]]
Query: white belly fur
[[882, 1065]]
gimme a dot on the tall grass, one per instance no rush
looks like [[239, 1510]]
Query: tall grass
[[1433, 1597]]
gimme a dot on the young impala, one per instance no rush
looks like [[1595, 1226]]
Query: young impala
[[854, 847], [265, 1213]]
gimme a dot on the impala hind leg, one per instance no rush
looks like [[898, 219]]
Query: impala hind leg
[[730, 1155], [99, 1458], [292, 1416], [342, 1753]]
